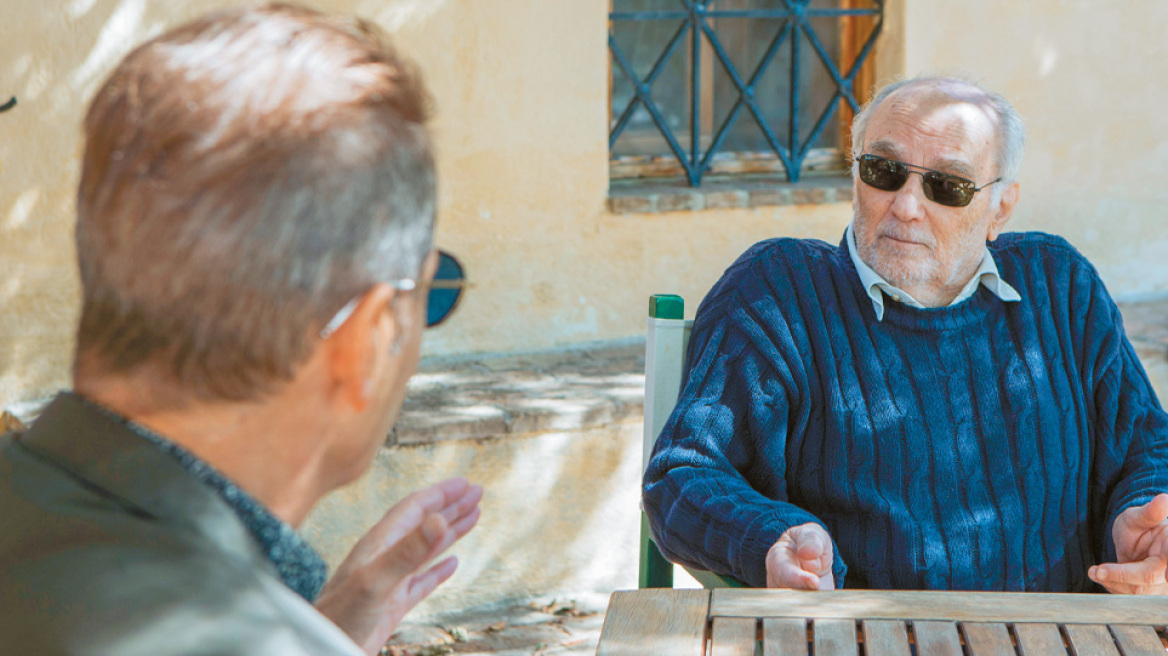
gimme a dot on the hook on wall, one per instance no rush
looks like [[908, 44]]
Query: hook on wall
[[8, 105]]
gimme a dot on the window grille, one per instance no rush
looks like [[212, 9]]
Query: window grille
[[751, 74]]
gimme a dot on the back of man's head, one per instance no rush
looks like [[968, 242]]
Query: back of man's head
[[244, 176]]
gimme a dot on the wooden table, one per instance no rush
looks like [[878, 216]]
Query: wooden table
[[733, 622]]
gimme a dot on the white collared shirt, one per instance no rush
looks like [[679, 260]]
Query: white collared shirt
[[876, 286]]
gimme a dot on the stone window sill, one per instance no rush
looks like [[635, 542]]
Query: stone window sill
[[649, 196]]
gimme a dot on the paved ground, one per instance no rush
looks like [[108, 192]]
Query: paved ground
[[553, 626]]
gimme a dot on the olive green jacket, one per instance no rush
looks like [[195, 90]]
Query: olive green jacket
[[108, 546]]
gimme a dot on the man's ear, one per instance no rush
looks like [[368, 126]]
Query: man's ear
[[1005, 210], [357, 349]]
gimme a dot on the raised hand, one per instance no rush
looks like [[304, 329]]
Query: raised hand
[[801, 559], [1141, 547], [385, 574]]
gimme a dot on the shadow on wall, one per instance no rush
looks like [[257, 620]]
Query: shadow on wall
[[560, 512]]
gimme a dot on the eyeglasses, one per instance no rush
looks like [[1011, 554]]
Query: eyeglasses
[[445, 291], [941, 188]]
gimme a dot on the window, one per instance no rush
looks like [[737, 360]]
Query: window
[[736, 86]]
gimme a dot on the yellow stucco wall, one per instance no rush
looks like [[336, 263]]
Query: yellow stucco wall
[[521, 89], [521, 133], [1088, 79]]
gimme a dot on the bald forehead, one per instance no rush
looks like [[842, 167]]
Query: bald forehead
[[953, 118]]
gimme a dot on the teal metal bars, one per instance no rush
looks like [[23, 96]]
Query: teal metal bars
[[695, 16]]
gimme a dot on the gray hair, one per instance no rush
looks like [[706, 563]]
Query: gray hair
[[1011, 130], [244, 177]]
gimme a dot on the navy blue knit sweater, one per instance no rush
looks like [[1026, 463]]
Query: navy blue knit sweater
[[984, 446]]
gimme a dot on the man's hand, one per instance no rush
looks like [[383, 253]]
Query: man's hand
[[1141, 547], [801, 559], [383, 577]]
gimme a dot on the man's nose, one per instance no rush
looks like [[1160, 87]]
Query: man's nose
[[910, 199]]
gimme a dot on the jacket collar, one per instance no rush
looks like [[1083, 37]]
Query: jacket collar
[[104, 453]]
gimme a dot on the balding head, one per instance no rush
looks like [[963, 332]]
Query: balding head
[[1010, 132]]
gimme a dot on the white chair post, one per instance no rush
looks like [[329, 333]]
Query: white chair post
[[665, 344]]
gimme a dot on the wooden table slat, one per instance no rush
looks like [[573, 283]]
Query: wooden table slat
[[937, 638], [988, 639], [895, 623], [657, 621], [885, 638], [943, 606], [733, 636], [1137, 640], [1091, 640], [834, 637], [1040, 640], [784, 636]]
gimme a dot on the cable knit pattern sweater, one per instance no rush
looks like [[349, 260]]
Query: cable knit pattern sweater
[[983, 446]]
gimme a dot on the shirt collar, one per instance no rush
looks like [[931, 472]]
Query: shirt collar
[[876, 286], [298, 564]]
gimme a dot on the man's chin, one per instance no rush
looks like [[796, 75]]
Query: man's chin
[[904, 274]]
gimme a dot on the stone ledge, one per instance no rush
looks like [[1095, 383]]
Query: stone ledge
[[498, 396], [649, 196], [493, 396]]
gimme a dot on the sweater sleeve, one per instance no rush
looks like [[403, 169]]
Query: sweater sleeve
[[1131, 429], [723, 446]]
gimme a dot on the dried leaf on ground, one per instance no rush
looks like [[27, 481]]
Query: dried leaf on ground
[[563, 608]]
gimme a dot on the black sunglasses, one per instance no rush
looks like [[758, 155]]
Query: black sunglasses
[[941, 188], [445, 289]]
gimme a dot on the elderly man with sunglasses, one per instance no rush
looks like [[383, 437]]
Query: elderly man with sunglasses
[[931, 404], [254, 229]]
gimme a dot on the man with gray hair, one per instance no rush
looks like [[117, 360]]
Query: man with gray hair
[[931, 404], [254, 228]]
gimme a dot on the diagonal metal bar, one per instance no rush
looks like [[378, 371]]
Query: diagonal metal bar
[[862, 56], [844, 84], [824, 117], [746, 95], [644, 97], [641, 89], [624, 65]]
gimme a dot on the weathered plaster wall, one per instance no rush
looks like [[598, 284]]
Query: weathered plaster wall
[[1088, 79], [521, 133]]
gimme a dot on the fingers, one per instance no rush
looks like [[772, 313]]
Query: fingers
[[1131, 578], [463, 505], [423, 584], [448, 497], [1149, 515], [401, 560], [813, 548], [425, 524], [801, 559], [788, 575]]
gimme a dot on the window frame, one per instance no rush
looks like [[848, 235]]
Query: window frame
[[861, 23]]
